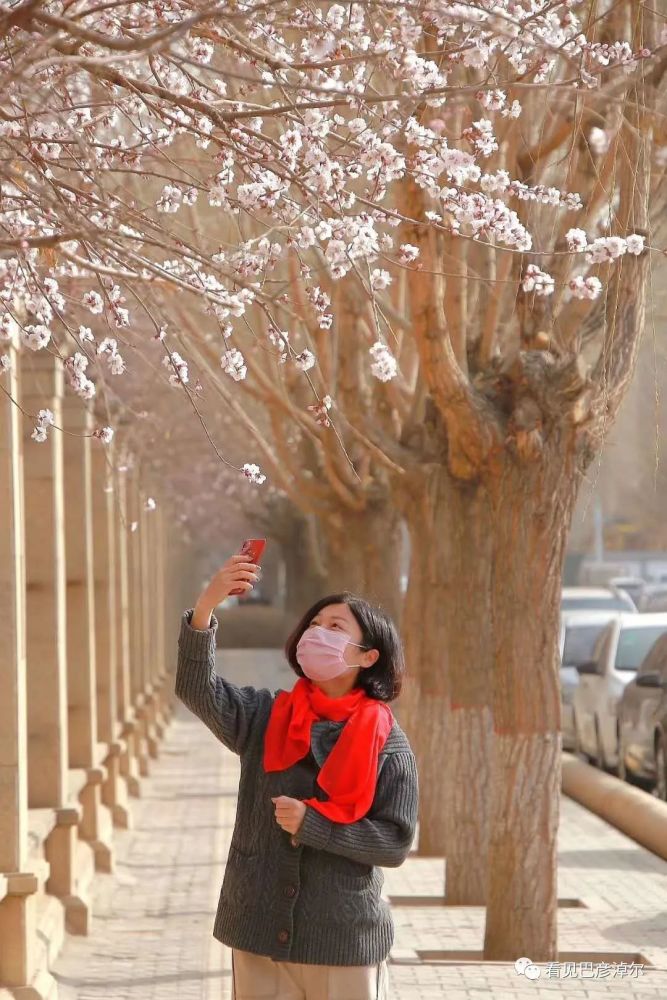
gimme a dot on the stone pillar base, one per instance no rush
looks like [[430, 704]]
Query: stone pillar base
[[149, 740], [72, 865], [129, 759], [42, 987], [160, 721], [114, 788], [17, 929], [142, 734], [96, 825]]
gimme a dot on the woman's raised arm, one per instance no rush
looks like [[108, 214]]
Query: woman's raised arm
[[227, 709]]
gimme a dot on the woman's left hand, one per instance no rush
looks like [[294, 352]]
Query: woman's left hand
[[289, 812]]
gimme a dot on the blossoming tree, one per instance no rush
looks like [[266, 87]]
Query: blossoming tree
[[501, 154]]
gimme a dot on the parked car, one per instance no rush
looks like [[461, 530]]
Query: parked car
[[633, 586], [595, 598], [618, 652], [642, 720], [653, 597], [579, 631]]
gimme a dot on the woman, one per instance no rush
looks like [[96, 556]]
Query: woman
[[328, 792]]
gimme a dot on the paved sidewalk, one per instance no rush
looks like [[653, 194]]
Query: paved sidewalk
[[151, 930]]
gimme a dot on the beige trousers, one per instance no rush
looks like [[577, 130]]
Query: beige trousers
[[255, 977]]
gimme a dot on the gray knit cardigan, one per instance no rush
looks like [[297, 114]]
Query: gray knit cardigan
[[315, 897]]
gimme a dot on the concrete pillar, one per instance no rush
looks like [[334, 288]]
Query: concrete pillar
[[18, 885], [161, 542], [172, 608], [122, 602], [148, 711], [46, 610], [46, 606], [128, 758], [137, 614], [85, 751], [107, 637], [136, 588]]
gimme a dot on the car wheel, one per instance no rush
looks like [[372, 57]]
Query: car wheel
[[661, 769]]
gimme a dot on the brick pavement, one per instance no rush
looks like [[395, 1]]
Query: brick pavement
[[151, 931]]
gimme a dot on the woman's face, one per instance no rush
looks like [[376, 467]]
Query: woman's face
[[339, 617]]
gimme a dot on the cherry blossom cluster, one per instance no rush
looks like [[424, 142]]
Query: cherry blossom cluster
[[384, 365], [252, 472], [173, 148], [75, 369], [45, 419]]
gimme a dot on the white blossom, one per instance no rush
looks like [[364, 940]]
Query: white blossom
[[606, 248], [109, 346], [380, 279], [537, 281], [75, 369], [233, 363], [93, 300], [408, 253], [584, 288], [45, 419], [305, 360], [178, 368], [104, 434], [635, 244], [384, 365], [170, 199], [252, 472], [36, 337], [577, 240], [599, 140]]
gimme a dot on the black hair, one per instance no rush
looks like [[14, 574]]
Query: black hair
[[384, 679]]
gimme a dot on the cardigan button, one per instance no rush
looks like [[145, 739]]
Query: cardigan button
[[283, 936], [290, 890]]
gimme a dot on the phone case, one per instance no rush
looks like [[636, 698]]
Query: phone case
[[253, 548]]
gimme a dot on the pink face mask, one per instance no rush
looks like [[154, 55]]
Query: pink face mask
[[319, 653]]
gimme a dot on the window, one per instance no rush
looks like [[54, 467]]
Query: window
[[655, 661], [634, 644], [580, 643], [610, 603]]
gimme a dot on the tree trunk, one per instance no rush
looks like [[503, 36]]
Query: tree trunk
[[532, 507], [305, 576], [482, 699], [446, 702], [362, 552]]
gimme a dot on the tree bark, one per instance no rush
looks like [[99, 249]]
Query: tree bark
[[446, 702], [480, 628], [362, 553], [531, 512], [305, 575]]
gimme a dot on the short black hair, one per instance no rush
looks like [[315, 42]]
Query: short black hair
[[382, 681]]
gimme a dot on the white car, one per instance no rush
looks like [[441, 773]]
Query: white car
[[595, 599], [620, 648], [579, 631]]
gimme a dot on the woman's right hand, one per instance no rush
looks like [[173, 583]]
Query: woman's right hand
[[236, 574]]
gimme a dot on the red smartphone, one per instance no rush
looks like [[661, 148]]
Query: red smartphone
[[252, 548]]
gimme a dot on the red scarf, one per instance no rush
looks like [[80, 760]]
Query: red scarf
[[349, 773]]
